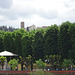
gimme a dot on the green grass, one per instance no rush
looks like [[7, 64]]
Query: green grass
[[41, 73]]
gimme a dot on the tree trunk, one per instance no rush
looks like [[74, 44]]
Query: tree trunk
[[31, 64], [21, 66]]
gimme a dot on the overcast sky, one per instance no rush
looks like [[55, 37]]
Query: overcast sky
[[38, 12]]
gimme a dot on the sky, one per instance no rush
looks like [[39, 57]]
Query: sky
[[37, 12]]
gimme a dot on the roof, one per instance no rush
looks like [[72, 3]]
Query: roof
[[6, 53]]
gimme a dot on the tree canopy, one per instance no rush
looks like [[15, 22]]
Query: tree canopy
[[54, 40]]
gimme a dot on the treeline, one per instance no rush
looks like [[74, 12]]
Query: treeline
[[54, 40], [4, 28]]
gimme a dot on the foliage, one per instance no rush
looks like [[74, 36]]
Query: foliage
[[54, 40], [8, 41], [38, 49], [51, 40], [67, 63], [72, 41], [2, 60], [40, 64], [64, 39], [25, 61], [53, 60], [1, 43], [21, 60], [26, 46], [13, 63]]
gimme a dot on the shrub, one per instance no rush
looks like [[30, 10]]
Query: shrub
[[13, 63], [40, 64]]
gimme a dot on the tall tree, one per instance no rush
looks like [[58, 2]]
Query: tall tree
[[18, 41], [72, 41], [1, 41], [38, 45], [26, 46], [2, 61], [64, 37], [7, 41], [51, 40]]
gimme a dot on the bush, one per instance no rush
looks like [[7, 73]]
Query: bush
[[67, 63], [13, 63], [40, 64]]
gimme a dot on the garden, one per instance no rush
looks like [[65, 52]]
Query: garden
[[52, 62]]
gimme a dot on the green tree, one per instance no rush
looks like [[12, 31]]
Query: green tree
[[32, 39], [40, 64], [26, 46], [1, 41], [64, 39], [51, 40], [72, 41], [2, 61], [18, 42], [53, 60], [22, 61], [7, 41], [38, 49], [13, 63], [25, 61], [67, 63], [28, 61]]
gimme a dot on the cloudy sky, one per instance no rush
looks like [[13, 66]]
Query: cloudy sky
[[38, 12]]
